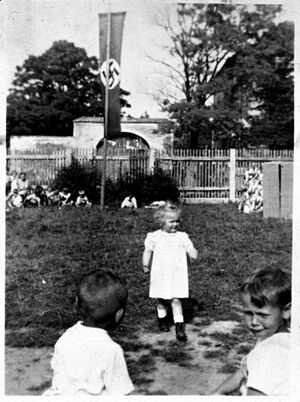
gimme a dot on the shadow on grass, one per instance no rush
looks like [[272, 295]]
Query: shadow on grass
[[140, 367], [230, 348]]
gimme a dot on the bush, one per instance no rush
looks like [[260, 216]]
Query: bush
[[146, 188], [78, 177], [156, 187]]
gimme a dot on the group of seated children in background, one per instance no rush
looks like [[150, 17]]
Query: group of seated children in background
[[87, 361], [19, 193]]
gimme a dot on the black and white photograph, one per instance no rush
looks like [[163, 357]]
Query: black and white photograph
[[150, 208]]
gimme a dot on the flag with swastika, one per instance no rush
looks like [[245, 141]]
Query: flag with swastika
[[114, 70]]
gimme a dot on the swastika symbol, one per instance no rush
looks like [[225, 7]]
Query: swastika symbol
[[114, 73]]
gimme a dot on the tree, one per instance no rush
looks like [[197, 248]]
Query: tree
[[274, 126], [51, 90], [223, 64]]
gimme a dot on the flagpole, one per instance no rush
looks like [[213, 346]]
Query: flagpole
[[103, 178]]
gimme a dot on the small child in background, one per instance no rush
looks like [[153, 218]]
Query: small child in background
[[14, 200], [168, 249], [82, 200], [266, 299], [129, 202], [32, 200], [22, 185], [65, 197], [86, 360], [41, 192], [53, 196], [11, 182]]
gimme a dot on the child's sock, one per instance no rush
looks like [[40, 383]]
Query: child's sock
[[178, 318], [161, 311], [177, 311], [162, 318]]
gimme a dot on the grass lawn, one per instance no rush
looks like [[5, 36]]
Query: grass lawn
[[48, 250]]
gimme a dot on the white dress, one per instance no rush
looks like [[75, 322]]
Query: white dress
[[169, 268]]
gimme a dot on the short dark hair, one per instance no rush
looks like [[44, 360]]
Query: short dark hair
[[101, 294], [269, 286]]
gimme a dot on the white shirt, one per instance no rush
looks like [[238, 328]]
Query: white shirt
[[16, 200], [129, 203], [87, 361], [268, 365], [82, 199], [22, 185]]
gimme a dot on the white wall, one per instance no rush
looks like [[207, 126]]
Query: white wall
[[89, 131]]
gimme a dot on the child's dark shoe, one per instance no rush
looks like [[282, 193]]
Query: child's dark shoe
[[163, 324], [180, 331]]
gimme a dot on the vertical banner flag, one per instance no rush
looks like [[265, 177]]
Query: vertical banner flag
[[116, 34]]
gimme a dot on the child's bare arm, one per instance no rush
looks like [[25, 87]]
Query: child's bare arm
[[230, 385], [146, 260], [193, 253]]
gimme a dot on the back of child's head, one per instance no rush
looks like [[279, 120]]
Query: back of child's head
[[269, 286], [100, 295], [161, 212]]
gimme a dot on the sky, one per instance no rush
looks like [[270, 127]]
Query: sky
[[33, 25]]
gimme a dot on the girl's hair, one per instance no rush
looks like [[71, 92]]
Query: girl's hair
[[269, 286], [161, 212], [100, 295]]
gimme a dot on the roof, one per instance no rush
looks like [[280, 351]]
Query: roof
[[86, 119]]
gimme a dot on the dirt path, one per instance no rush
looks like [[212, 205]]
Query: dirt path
[[190, 372]]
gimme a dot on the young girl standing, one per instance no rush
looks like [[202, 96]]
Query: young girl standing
[[166, 250]]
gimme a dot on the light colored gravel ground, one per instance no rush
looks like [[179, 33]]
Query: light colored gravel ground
[[28, 372]]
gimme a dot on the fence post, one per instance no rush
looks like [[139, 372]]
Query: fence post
[[152, 160], [232, 174], [68, 157]]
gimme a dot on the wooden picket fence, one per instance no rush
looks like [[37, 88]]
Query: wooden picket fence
[[215, 175], [200, 174], [42, 167]]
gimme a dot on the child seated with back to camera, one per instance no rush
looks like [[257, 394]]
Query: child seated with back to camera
[[266, 300], [165, 257], [86, 360]]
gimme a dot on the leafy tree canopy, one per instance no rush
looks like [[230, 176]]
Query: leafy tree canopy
[[51, 90], [232, 61]]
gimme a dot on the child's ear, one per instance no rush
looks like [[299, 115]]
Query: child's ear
[[286, 312], [119, 315]]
